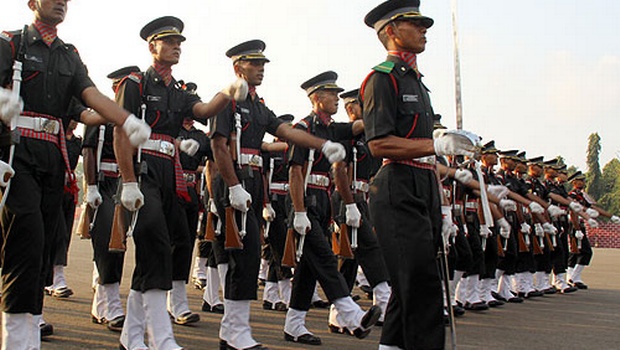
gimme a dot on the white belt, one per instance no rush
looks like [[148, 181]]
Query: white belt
[[189, 177], [38, 124], [457, 207], [279, 186], [361, 186], [107, 166], [251, 160], [471, 205], [160, 146], [318, 180]]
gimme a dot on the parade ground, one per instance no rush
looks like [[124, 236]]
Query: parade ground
[[587, 319]]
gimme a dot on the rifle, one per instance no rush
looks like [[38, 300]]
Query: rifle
[[118, 236], [537, 246], [343, 248], [15, 90], [524, 239], [484, 201], [233, 235], [353, 244], [288, 258], [142, 169]]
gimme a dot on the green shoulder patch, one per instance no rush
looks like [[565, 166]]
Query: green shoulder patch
[[385, 67]]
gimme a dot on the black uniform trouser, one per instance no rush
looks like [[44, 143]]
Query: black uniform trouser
[[368, 253], [558, 256], [490, 255], [405, 209], [543, 261], [277, 240], [30, 221], [161, 235], [475, 244], [460, 256], [318, 262], [585, 253], [109, 264], [508, 263], [243, 264], [63, 238]]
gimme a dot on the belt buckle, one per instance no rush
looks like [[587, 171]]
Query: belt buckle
[[166, 147], [48, 126], [254, 160], [189, 177], [323, 181]]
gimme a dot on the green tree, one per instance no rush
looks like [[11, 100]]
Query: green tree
[[610, 183], [593, 176]]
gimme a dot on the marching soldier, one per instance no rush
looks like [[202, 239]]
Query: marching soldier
[[239, 185], [398, 120], [310, 183], [362, 166], [31, 216], [158, 189]]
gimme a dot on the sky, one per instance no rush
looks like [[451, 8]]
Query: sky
[[537, 75]]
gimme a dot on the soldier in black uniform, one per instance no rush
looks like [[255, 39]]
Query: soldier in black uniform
[[161, 223], [398, 121], [310, 184], [102, 179], [277, 292], [240, 185], [53, 74], [362, 167]]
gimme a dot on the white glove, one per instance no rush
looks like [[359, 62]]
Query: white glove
[[189, 146], [615, 219], [131, 197], [10, 106], [538, 229], [137, 130], [549, 228], [447, 225], [592, 223], [7, 172], [93, 197], [555, 211], [485, 231], [574, 206], [579, 235], [268, 213], [526, 228], [301, 223], [213, 207], [463, 176], [239, 198], [465, 230], [504, 227], [353, 215], [536, 208], [508, 204], [592, 213], [334, 151], [455, 142], [237, 90], [498, 191]]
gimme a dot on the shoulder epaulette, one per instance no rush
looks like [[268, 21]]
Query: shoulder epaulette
[[136, 77], [303, 123], [8, 36], [385, 67]]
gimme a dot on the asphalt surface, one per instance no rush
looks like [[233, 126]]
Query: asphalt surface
[[587, 319]]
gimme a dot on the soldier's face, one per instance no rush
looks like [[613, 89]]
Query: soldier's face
[[409, 35], [252, 71], [354, 111], [51, 12], [508, 164], [489, 159], [578, 184], [166, 50], [327, 101]]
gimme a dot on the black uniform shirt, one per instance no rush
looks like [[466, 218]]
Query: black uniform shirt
[[91, 140], [51, 76], [537, 188], [367, 165], [166, 106], [192, 162], [256, 119], [404, 113], [314, 125], [280, 166], [74, 149]]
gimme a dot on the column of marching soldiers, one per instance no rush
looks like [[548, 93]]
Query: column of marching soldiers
[[295, 209]]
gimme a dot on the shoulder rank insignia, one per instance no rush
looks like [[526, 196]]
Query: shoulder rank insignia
[[385, 67], [6, 36], [303, 123]]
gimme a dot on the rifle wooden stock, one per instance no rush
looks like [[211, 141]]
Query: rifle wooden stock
[[210, 227], [335, 243], [572, 243], [288, 257], [233, 240], [548, 242], [83, 224], [262, 234], [500, 246], [344, 244], [118, 236], [536, 246], [523, 248]]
